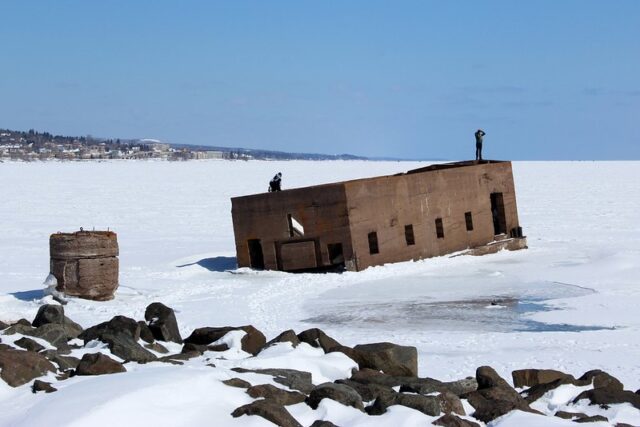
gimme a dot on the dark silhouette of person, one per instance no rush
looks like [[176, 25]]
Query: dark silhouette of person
[[274, 184], [479, 134]]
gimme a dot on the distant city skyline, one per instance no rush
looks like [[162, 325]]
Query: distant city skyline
[[546, 80]]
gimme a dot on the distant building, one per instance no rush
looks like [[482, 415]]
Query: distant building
[[205, 155], [356, 224]]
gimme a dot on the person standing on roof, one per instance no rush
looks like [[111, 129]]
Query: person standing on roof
[[479, 134], [274, 184]]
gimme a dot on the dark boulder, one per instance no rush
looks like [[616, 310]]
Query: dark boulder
[[533, 377], [537, 391], [3, 325], [570, 415], [367, 391], [117, 325], [64, 363], [268, 410], [601, 379], [295, 380], [162, 322], [286, 336], [609, 396], [460, 387], [450, 420], [29, 344], [275, 394], [389, 358], [55, 334], [422, 386], [194, 348], [145, 333], [157, 347], [237, 382], [429, 405], [121, 334], [593, 419], [18, 367], [339, 392], [51, 313], [252, 341], [487, 377], [317, 338], [42, 386], [494, 397], [98, 364], [322, 423]]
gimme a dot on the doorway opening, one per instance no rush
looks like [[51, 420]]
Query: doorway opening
[[336, 257], [256, 258], [497, 213]]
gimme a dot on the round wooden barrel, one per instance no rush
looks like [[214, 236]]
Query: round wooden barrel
[[83, 244]]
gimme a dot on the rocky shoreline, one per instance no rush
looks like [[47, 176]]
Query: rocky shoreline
[[386, 373]]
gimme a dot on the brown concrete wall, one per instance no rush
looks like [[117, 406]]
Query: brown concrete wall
[[386, 204], [320, 209]]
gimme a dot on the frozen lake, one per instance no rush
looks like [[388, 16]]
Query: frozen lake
[[568, 302]]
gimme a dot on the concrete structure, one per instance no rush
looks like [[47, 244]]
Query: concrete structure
[[85, 263], [356, 224]]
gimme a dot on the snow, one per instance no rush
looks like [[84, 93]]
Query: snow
[[569, 302]]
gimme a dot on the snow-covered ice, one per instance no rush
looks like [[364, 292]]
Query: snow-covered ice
[[569, 302]]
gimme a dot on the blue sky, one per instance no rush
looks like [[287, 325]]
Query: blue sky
[[409, 79]]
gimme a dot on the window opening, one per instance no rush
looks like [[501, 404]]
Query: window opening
[[469, 220], [439, 228], [408, 235], [373, 243]]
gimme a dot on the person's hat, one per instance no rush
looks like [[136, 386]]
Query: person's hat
[[279, 173]]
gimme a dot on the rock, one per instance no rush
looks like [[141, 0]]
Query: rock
[[162, 322], [275, 394], [286, 336], [429, 405], [339, 392], [64, 363], [609, 396], [295, 380], [368, 392], [601, 379], [487, 377], [42, 386], [389, 358], [237, 382], [533, 377], [494, 397], [18, 367], [268, 410], [145, 333], [29, 344], [117, 325], [451, 403], [121, 334], [461, 387], [55, 334], [157, 347], [322, 423], [537, 391], [51, 313], [421, 386], [194, 348], [3, 325], [126, 348], [317, 338], [19, 328], [98, 364], [593, 419], [570, 415], [451, 420], [252, 342]]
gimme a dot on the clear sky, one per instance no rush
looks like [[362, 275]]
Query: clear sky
[[410, 79]]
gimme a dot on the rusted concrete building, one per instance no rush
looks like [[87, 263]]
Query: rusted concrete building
[[356, 224]]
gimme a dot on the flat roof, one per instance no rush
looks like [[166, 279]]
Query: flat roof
[[430, 168]]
